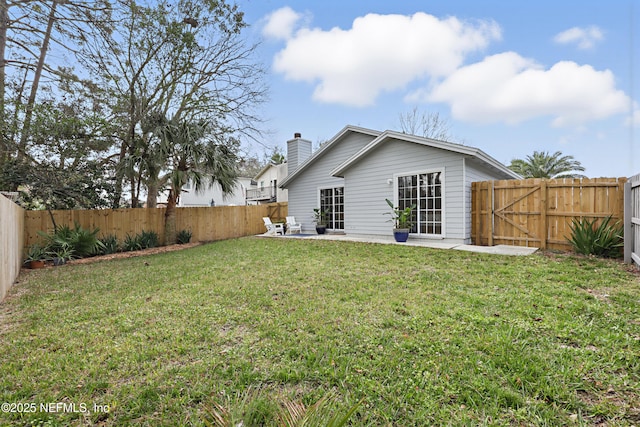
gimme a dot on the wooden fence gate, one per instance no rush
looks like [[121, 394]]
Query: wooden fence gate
[[632, 220], [538, 212]]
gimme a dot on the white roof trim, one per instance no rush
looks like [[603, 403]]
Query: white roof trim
[[449, 146], [327, 146]]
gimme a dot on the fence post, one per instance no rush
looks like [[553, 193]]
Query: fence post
[[490, 212], [543, 214], [628, 234], [476, 191]]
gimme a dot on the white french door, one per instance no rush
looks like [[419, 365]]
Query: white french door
[[425, 191]]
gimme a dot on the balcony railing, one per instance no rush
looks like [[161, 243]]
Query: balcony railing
[[265, 193]]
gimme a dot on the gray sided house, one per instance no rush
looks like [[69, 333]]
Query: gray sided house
[[351, 175]]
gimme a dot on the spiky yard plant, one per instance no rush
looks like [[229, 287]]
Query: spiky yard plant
[[604, 239]]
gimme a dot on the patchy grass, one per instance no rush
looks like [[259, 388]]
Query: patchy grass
[[420, 336]]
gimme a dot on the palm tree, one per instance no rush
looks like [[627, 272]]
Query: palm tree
[[191, 154], [544, 165]]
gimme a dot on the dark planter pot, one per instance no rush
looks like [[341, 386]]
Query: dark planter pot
[[59, 261], [401, 234], [321, 229]]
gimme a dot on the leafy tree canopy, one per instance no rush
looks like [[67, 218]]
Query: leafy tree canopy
[[544, 165]]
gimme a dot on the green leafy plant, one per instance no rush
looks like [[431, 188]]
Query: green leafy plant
[[320, 413], [62, 253], [401, 218], [142, 240], [85, 242], [184, 237], [131, 243], [320, 217], [82, 242], [37, 252], [148, 239], [110, 244], [252, 408], [604, 240]]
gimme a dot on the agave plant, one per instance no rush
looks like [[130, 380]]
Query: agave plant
[[605, 239], [184, 237], [110, 243], [148, 239]]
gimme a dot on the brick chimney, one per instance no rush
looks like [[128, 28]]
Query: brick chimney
[[298, 150]]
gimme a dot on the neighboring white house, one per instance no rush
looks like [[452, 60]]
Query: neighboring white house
[[265, 188], [213, 196], [352, 174]]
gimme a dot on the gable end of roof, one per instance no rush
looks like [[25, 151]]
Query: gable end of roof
[[444, 145], [325, 148]]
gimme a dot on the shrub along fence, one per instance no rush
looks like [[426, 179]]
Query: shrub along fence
[[538, 212], [11, 243], [205, 223]]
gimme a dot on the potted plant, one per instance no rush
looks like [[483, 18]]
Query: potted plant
[[320, 218], [61, 254], [402, 221], [37, 256]]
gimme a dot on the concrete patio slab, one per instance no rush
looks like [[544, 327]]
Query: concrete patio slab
[[435, 244], [498, 249]]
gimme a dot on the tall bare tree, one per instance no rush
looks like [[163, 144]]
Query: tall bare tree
[[428, 125], [28, 32], [185, 60]]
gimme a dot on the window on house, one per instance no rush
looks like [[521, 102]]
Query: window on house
[[332, 202], [424, 190]]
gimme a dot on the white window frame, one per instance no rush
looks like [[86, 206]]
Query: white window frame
[[443, 222], [319, 199]]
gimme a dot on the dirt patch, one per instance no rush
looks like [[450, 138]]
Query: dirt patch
[[132, 254]]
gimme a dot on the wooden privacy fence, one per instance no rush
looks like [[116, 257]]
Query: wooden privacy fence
[[11, 243], [205, 223], [538, 212], [632, 220]]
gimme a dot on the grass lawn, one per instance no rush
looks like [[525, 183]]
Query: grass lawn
[[239, 328]]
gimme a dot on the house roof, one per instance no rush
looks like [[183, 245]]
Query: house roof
[[266, 168], [388, 135], [324, 148]]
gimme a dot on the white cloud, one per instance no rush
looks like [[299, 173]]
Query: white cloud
[[634, 119], [585, 38], [280, 23], [378, 53], [509, 88]]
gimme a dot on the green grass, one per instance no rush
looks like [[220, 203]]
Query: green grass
[[419, 336]]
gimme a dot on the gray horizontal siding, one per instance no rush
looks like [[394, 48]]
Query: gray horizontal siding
[[366, 186], [303, 191]]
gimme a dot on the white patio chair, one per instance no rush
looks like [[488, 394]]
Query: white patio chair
[[293, 226], [271, 227]]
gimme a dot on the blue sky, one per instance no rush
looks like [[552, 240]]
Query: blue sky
[[510, 77]]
